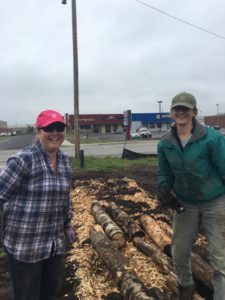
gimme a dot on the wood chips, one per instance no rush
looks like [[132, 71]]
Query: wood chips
[[95, 280]]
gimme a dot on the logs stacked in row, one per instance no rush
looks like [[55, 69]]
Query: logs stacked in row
[[124, 227], [131, 287]]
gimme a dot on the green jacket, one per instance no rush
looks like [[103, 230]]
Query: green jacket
[[196, 173]]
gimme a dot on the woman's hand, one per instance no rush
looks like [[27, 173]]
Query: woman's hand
[[70, 235]]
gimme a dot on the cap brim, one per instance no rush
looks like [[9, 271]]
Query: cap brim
[[49, 122], [185, 104]]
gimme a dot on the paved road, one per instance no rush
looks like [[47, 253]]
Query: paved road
[[114, 149], [14, 144]]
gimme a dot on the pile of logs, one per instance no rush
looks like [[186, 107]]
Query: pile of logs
[[149, 238]]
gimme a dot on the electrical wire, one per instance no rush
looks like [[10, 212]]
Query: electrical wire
[[180, 20]]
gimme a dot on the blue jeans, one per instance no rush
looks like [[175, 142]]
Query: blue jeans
[[211, 216], [36, 281]]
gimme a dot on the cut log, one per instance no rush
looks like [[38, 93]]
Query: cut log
[[157, 294], [108, 252], [111, 229], [125, 222], [200, 268], [132, 288], [161, 259], [155, 232]]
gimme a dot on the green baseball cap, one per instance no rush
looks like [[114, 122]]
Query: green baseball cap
[[184, 99]]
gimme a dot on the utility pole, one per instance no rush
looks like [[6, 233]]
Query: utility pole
[[75, 78]]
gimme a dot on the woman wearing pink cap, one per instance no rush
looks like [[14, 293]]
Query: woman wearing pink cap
[[35, 193]]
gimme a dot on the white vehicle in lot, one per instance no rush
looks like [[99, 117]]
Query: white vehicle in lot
[[144, 132], [135, 135], [3, 134], [8, 133]]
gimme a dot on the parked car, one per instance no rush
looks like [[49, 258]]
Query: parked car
[[3, 134], [144, 132], [135, 135]]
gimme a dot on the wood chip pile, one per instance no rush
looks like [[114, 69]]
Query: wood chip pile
[[95, 280]]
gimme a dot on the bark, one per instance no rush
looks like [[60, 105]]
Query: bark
[[110, 227], [125, 222], [155, 232], [200, 268], [131, 287], [163, 261], [108, 252], [157, 294]]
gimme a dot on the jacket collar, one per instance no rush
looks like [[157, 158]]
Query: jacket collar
[[199, 131]]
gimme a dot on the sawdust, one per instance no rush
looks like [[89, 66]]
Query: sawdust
[[95, 280]]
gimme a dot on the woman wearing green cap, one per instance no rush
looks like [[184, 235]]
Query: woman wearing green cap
[[192, 168]]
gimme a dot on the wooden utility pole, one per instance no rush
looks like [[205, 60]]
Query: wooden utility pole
[[75, 78]]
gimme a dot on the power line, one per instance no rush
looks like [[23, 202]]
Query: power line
[[180, 20]]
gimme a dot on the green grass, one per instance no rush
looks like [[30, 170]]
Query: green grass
[[97, 164], [2, 138]]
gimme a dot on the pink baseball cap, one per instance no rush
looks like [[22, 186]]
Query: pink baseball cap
[[48, 117]]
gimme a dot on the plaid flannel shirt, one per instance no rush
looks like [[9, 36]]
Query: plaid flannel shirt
[[36, 204]]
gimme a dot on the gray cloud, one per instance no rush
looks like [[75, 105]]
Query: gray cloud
[[130, 56]]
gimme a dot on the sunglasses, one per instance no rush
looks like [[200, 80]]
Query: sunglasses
[[60, 127], [181, 108]]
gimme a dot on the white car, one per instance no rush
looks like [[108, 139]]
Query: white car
[[3, 134], [135, 135], [145, 132]]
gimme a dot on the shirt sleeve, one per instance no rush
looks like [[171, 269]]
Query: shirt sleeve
[[11, 177], [69, 210], [217, 155]]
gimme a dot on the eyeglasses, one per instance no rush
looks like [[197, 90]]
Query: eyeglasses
[[60, 127], [181, 108]]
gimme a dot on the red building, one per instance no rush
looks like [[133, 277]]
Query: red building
[[97, 123], [217, 120]]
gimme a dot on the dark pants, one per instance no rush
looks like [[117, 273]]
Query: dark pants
[[36, 281]]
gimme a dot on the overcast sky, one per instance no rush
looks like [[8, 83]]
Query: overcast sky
[[130, 56]]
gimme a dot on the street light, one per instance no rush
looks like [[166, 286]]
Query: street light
[[160, 111], [75, 78]]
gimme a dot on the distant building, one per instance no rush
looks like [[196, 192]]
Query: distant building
[[154, 121], [97, 123], [216, 120], [106, 123], [3, 126]]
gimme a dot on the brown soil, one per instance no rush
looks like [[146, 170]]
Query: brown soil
[[86, 277]]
